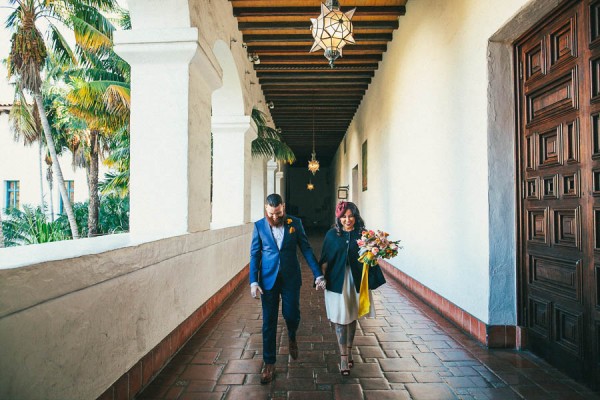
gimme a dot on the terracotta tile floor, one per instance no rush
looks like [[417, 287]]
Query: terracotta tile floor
[[407, 352]]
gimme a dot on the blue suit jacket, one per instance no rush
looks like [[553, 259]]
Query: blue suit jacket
[[266, 259]]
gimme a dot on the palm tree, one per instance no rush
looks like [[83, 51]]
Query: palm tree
[[104, 106], [117, 181], [269, 144], [100, 97], [25, 124], [28, 54], [1, 231]]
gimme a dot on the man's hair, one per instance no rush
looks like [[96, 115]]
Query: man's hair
[[274, 200]]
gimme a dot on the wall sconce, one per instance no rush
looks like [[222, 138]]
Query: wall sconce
[[253, 58], [244, 45], [342, 192], [271, 105], [278, 130]]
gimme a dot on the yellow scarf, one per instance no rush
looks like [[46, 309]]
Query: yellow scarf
[[363, 298]]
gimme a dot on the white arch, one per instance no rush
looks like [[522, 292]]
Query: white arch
[[228, 99], [233, 133]]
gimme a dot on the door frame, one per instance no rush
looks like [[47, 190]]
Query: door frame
[[503, 193]]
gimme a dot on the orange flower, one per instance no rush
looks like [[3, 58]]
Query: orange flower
[[292, 230], [289, 221]]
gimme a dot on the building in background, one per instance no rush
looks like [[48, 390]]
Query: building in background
[[19, 164]]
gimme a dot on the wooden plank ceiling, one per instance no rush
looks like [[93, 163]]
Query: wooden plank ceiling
[[302, 85]]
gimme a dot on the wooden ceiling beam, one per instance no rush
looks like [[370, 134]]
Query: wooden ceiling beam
[[350, 50], [311, 84], [317, 3], [322, 75], [308, 94], [291, 38], [314, 69], [271, 26], [312, 12], [276, 90]]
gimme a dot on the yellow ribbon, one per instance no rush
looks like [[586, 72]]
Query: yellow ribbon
[[363, 298]]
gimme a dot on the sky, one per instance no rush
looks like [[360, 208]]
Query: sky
[[6, 90]]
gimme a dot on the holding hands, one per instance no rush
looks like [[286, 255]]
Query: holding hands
[[320, 283]]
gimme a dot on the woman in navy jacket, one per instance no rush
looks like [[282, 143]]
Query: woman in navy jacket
[[343, 274]]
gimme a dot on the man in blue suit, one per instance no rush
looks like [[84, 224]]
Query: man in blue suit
[[275, 273]]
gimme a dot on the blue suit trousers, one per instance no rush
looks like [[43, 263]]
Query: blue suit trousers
[[290, 308]]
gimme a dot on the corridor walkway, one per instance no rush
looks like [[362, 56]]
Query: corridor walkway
[[407, 352]]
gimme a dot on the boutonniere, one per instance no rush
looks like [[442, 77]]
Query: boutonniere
[[288, 221]]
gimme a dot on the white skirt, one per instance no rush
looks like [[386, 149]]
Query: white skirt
[[342, 308]]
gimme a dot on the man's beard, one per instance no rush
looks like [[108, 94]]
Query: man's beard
[[273, 223]]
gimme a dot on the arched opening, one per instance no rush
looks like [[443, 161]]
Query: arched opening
[[232, 134]]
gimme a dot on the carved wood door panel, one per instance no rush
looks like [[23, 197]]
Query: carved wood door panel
[[558, 70]]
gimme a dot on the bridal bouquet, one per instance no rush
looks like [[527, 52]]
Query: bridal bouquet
[[374, 245]]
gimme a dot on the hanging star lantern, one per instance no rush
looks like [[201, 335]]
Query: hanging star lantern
[[332, 30]]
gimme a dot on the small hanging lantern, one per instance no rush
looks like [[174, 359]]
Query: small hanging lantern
[[310, 185], [332, 30], [313, 164]]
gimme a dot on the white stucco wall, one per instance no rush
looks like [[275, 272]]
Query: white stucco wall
[[71, 328], [425, 117], [20, 163]]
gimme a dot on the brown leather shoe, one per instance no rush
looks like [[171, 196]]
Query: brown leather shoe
[[267, 374], [293, 346]]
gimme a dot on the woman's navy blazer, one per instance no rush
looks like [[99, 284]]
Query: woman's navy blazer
[[336, 251]]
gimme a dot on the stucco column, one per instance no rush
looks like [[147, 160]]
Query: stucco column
[[258, 189], [232, 170], [279, 183], [160, 156], [271, 167]]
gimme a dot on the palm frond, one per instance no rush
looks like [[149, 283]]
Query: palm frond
[[89, 37], [93, 74], [124, 19], [12, 18], [92, 15], [272, 148], [118, 98], [269, 144], [115, 182], [60, 47], [22, 121]]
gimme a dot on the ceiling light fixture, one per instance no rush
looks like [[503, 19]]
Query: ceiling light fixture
[[310, 185], [313, 164], [332, 30]]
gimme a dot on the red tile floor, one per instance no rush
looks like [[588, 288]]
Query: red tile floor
[[407, 352]]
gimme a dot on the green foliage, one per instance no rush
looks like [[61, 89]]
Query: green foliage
[[116, 182], [113, 216], [268, 143], [31, 225]]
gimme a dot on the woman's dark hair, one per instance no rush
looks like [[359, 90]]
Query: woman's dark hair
[[358, 221]]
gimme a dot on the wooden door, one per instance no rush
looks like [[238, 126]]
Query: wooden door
[[558, 71]]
